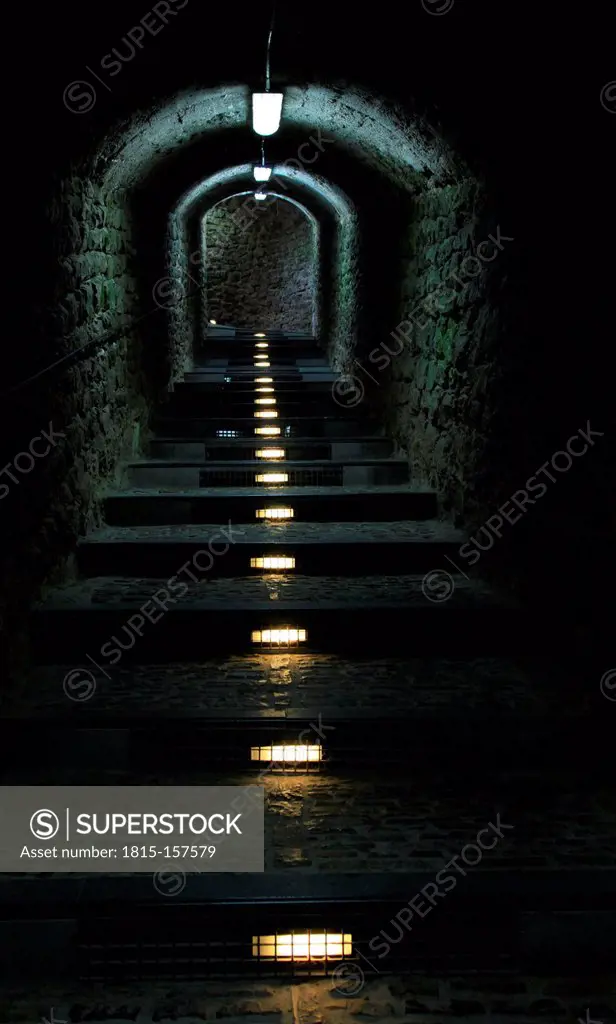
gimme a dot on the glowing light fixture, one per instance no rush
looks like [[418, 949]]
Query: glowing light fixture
[[282, 562], [227, 433], [278, 636], [262, 344], [267, 431], [265, 401], [270, 453], [272, 478], [260, 335], [302, 947], [260, 196], [267, 414], [262, 173], [287, 752], [264, 380], [262, 366], [266, 112], [264, 391], [212, 322], [275, 513]]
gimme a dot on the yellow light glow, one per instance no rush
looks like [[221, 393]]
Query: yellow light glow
[[302, 947], [262, 344], [281, 562], [287, 752], [269, 431], [265, 401], [272, 478], [270, 453], [264, 391], [279, 636], [275, 513], [264, 380], [267, 414], [259, 335], [262, 366], [212, 321]]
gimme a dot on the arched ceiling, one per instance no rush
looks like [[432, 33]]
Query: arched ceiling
[[276, 195], [374, 132], [221, 185]]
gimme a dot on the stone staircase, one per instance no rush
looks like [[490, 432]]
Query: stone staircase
[[430, 690]]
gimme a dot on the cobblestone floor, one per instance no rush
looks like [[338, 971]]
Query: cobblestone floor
[[424, 532], [280, 682], [318, 824], [290, 592], [274, 492], [499, 998]]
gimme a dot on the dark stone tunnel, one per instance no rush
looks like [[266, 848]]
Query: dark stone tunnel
[[418, 305]]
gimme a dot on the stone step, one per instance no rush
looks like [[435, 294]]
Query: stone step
[[165, 473], [240, 505], [242, 385], [244, 404], [173, 742], [289, 391], [370, 615], [125, 949], [290, 366], [346, 549], [242, 449], [246, 359], [290, 426], [286, 687], [224, 374], [224, 377], [279, 344], [207, 715]]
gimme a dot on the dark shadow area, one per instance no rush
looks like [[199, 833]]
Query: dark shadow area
[[392, 547]]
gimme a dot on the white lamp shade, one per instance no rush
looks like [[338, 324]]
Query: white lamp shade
[[260, 196], [262, 173], [266, 111]]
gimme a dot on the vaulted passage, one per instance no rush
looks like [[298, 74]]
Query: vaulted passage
[[264, 272], [303, 498]]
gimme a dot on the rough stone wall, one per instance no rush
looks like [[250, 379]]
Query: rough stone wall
[[260, 271], [96, 401], [178, 293], [443, 362], [342, 336], [419, 998]]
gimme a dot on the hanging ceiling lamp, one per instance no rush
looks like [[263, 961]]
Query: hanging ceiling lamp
[[267, 106], [260, 171]]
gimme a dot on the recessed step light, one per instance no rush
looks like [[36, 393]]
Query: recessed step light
[[298, 947], [287, 753], [275, 513], [270, 453], [268, 431], [279, 636], [267, 414], [277, 562], [272, 478]]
